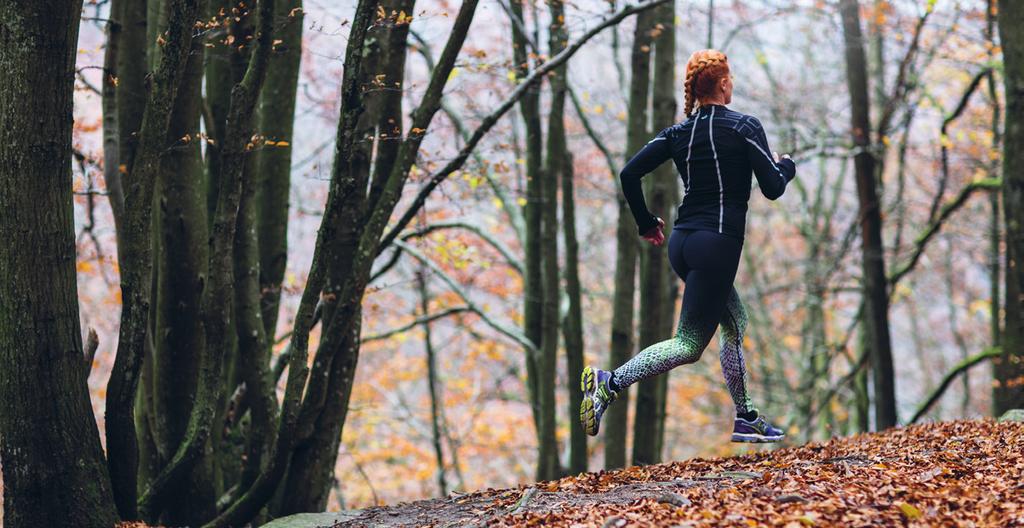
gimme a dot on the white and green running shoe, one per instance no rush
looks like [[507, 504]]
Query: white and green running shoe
[[597, 396]]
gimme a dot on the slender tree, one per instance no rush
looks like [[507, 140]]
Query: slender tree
[[533, 286], [273, 179], [433, 387], [876, 322], [665, 189], [645, 425], [560, 170], [554, 165], [573, 325]]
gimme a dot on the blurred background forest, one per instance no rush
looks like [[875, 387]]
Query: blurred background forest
[[452, 349]]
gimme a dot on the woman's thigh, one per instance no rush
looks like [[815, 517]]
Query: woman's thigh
[[710, 260]]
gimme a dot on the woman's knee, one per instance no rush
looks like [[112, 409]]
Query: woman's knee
[[687, 350]]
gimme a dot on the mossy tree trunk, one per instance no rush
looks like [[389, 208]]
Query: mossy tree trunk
[[45, 414], [136, 263], [273, 179], [180, 271]]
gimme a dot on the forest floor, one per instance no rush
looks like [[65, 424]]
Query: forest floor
[[964, 473]]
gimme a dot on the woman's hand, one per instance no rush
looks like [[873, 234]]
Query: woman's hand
[[780, 158], [655, 235]]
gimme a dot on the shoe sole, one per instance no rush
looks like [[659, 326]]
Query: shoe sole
[[588, 385], [755, 438]]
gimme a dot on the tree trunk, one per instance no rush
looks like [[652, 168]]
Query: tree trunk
[[665, 184], [136, 267], [132, 68], [995, 223], [573, 327], [216, 320], [344, 324], [310, 472], [628, 247], [652, 283], [53, 468], [533, 286], [273, 179], [549, 465], [623, 304], [181, 272], [436, 398], [876, 321], [1009, 390]]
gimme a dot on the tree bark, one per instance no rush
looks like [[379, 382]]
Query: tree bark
[[1009, 391], [433, 388], [53, 467], [665, 187], [876, 322], [273, 180], [216, 321], [652, 277], [549, 465], [573, 327], [136, 268], [180, 273], [310, 475], [533, 286]]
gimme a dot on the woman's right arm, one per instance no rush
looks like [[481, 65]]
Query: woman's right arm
[[653, 154], [772, 177]]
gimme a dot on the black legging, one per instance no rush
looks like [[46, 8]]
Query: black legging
[[707, 261]]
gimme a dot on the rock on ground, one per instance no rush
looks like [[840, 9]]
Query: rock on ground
[[1013, 415]]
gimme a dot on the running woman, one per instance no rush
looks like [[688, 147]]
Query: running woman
[[714, 149]]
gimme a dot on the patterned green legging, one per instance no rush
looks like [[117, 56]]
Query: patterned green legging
[[709, 301]]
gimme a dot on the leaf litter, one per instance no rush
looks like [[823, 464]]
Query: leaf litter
[[961, 473]]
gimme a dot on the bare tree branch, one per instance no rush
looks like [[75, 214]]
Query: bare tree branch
[[512, 261], [508, 331], [416, 322], [922, 240], [490, 120], [960, 368]]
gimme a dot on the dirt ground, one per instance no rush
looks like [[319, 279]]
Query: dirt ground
[[966, 473]]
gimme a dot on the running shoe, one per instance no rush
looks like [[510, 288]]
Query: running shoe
[[758, 431], [597, 396]]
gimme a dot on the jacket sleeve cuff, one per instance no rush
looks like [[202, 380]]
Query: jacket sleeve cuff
[[789, 168], [645, 226]]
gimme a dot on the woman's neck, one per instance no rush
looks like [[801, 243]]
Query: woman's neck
[[716, 101]]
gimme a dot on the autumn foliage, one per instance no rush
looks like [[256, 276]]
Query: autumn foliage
[[963, 473]]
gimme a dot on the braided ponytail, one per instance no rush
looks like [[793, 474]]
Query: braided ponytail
[[703, 71]]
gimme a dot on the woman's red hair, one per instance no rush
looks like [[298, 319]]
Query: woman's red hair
[[703, 72]]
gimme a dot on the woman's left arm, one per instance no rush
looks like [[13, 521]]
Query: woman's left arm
[[653, 154]]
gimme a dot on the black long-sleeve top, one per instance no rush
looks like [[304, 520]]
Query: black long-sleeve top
[[714, 152]]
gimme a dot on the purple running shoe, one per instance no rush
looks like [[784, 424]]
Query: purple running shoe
[[597, 396], [757, 431]]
